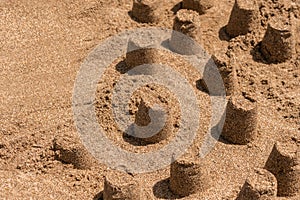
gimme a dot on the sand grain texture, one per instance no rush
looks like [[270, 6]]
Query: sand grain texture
[[43, 43]]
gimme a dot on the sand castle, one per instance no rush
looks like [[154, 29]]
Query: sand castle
[[244, 18], [254, 46], [188, 174]]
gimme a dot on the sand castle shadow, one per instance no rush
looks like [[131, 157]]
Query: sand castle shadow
[[257, 55], [98, 196], [132, 17], [161, 190], [135, 141], [200, 86], [122, 67], [216, 134], [223, 35], [177, 7], [216, 131]]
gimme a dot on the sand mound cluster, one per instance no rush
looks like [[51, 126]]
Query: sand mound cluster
[[255, 47], [189, 175]]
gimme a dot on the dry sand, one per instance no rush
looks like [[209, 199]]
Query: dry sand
[[43, 44]]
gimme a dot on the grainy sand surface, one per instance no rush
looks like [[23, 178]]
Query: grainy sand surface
[[43, 43]]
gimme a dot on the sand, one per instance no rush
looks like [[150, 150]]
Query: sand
[[43, 44]]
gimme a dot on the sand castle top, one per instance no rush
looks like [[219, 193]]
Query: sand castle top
[[246, 5], [280, 24], [187, 16]]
